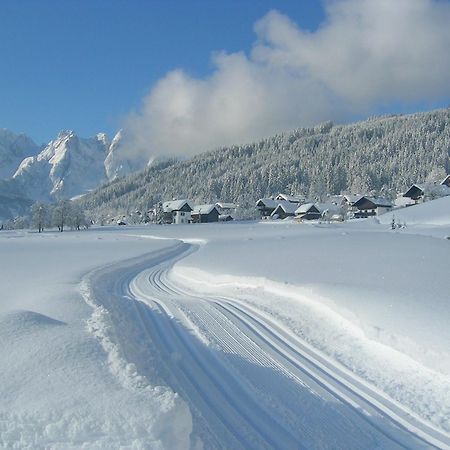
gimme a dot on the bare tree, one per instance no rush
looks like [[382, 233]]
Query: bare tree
[[40, 216], [76, 218], [61, 213]]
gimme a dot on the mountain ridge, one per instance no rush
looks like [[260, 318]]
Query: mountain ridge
[[382, 154]]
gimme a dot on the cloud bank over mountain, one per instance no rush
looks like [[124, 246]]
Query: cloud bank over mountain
[[365, 56]]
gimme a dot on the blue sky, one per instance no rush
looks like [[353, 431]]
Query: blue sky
[[85, 64], [247, 68]]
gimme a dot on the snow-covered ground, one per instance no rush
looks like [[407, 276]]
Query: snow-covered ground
[[244, 335]]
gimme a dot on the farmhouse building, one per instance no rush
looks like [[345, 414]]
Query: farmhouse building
[[283, 210], [370, 206], [266, 206], [177, 212], [420, 192], [308, 211], [205, 214]]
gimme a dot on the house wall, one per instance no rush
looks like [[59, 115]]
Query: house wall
[[181, 217]]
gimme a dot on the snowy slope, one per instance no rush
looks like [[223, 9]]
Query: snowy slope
[[434, 212], [13, 149], [244, 335]]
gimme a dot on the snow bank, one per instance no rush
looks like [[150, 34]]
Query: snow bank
[[375, 300], [57, 383]]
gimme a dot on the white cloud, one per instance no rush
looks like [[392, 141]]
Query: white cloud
[[366, 54]]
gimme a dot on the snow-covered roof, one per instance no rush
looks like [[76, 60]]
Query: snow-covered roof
[[329, 206], [225, 205], [288, 198], [430, 188], [352, 198], [268, 202], [380, 201], [175, 205], [303, 209], [287, 207], [203, 209]]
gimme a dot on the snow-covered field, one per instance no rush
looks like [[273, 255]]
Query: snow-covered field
[[239, 335]]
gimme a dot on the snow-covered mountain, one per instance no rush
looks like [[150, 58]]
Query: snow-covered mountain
[[13, 149], [118, 162], [68, 166]]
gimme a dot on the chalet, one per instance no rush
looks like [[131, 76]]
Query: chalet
[[266, 206], [205, 214], [418, 192], [177, 212], [283, 210], [289, 198], [370, 206], [308, 211]]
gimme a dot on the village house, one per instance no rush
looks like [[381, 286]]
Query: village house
[[419, 192], [266, 206], [283, 210], [308, 211], [177, 212], [370, 206], [205, 214]]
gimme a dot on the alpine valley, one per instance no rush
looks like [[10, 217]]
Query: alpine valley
[[381, 154]]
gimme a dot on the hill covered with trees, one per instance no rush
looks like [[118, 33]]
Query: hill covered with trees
[[380, 155]]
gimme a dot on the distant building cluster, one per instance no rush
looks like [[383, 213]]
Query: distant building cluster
[[186, 212], [343, 207]]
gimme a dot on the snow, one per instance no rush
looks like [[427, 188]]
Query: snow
[[57, 383], [238, 335], [66, 167], [13, 149], [436, 212]]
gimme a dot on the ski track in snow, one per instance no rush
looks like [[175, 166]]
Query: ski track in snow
[[249, 382]]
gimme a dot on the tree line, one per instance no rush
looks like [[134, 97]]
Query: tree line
[[380, 156], [62, 215]]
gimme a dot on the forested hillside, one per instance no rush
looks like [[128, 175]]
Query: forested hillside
[[381, 154]]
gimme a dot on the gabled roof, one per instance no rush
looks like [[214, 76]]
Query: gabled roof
[[203, 209], [306, 208], [175, 205], [268, 202], [352, 199], [225, 205], [287, 207], [381, 202], [429, 188], [330, 206], [376, 201], [288, 198]]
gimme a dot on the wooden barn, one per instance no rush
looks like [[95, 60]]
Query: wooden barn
[[205, 214]]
